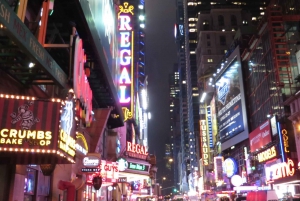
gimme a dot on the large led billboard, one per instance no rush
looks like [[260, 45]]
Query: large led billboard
[[230, 102]]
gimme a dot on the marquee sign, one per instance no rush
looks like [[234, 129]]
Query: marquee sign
[[136, 150], [268, 154], [204, 142], [28, 125], [126, 55]]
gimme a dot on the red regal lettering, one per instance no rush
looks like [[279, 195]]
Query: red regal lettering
[[136, 148], [129, 146]]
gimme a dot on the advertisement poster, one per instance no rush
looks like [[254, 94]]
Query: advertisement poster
[[260, 136], [229, 102]]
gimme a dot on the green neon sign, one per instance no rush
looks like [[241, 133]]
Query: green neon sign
[[137, 166]]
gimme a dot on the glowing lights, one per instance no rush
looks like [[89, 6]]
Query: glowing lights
[[204, 142], [82, 89], [267, 154], [280, 170], [203, 97], [136, 148], [126, 58]]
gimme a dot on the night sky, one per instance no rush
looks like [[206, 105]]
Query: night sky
[[160, 58]]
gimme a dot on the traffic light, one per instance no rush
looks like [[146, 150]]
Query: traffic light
[[252, 164], [174, 190]]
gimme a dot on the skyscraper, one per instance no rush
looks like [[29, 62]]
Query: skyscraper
[[194, 73]]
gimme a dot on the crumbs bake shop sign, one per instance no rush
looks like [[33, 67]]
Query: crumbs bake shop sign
[[24, 125]]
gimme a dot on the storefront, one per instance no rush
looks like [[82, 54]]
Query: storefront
[[134, 176]]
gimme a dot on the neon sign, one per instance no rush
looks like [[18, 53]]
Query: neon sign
[[267, 154], [32, 137], [280, 170], [67, 143], [285, 138], [204, 142], [138, 166], [126, 58], [81, 85], [136, 150]]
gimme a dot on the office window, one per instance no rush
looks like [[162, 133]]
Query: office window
[[222, 40], [207, 36], [221, 20], [208, 43], [208, 51], [233, 20], [210, 60]]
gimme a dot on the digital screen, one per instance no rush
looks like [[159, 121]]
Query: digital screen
[[135, 185], [30, 182], [229, 102]]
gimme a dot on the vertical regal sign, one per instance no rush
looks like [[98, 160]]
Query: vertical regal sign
[[126, 51]]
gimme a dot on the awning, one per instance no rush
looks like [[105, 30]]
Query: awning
[[28, 43], [97, 127]]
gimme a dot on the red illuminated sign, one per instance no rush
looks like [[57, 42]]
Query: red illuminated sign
[[280, 170], [260, 136], [136, 150], [23, 123], [81, 85], [126, 58], [109, 171]]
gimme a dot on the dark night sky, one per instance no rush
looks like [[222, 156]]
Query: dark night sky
[[160, 58]]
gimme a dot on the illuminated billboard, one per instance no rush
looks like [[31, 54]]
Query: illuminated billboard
[[230, 102], [31, 127], [126, 52], [104, 21], [260, 137]]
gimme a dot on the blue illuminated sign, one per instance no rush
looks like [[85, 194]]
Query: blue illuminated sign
[[209, 124], [229, 104], [230, 167]]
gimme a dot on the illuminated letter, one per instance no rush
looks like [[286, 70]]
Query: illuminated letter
[[40, 135], [128, 146], [48, 135], [125, 39], [124, 23], [125, 60], [124, 76], [31, 134], [122, 95], [2, 132], [13, 133]]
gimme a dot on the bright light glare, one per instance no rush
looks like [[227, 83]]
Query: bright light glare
[[31, 65], [142, 17], [144, 99], [141, 6], [149, 115], [142, 25], [203, 97]]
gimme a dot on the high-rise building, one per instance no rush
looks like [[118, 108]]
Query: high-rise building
[[193, 76]]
